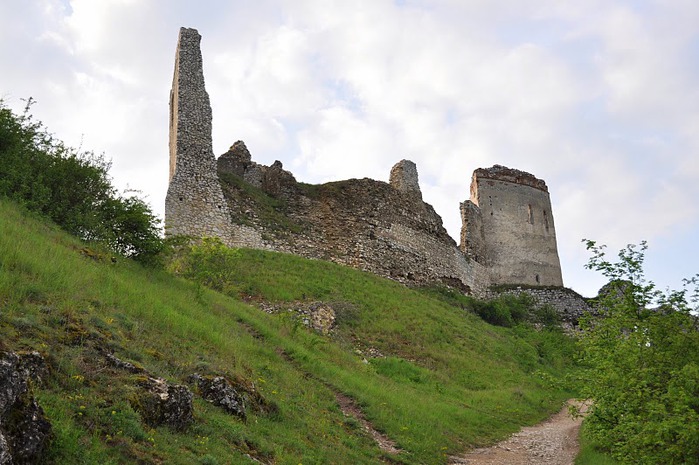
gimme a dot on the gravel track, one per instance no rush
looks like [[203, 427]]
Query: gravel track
[[553, 442]]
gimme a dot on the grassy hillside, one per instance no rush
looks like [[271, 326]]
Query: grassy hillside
[[446, 382]]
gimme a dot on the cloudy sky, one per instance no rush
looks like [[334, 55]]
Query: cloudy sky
[[600, 98]]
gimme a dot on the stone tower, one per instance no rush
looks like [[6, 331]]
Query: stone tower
[[404, 178], [508, 227], [194, 204]]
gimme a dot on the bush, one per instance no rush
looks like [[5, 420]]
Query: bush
[[72, 188], [208, 262], [547, 316], [643, 359], [505, 310]]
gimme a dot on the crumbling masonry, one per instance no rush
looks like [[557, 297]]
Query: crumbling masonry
[[508, 234]]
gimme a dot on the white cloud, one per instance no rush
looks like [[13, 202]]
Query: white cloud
[[598, 98]]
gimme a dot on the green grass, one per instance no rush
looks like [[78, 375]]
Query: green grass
[[448, 382]]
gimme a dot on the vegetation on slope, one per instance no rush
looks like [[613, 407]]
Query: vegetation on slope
[[72, 188], [642, 362], [445, 381], [449, 381]]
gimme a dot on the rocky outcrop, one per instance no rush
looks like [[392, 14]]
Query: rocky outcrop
[[235, 397], [164, 404], [158, 402], [320, 316], [24, 429], [218, 391]]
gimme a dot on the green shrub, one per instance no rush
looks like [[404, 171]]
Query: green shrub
[[207, 262], [506, 310], [73, 189], [643, 359], [546, 315]]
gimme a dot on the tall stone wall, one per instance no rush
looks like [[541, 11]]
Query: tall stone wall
[[384, 228], [194, 204], [508, 227]]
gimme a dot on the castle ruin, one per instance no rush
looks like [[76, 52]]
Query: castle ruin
[[194, 204], [507, 226], [508, 235]]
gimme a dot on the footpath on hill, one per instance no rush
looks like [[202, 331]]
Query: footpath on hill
[[553, 442]]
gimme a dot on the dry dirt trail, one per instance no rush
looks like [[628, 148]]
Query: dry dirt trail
[[553, 442]]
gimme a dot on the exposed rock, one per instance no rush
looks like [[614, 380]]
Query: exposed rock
[[5, 456], [118, 363], [165, 404], [27, 432], [237, 397], [159, 403], [12, 383], [320, 316], [218, 391], [24, 429]]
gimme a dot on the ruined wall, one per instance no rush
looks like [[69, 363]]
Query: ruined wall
[[404, 178], [194, 204], [570, 305], [383, 228], [473, 242], [517, 237]]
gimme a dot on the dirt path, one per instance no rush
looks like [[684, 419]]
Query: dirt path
[[553, 442], [350, 408]]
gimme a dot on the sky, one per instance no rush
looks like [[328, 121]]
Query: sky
[[600, 98]]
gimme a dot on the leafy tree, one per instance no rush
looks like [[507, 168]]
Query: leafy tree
[[642, 354], [72, 188]]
